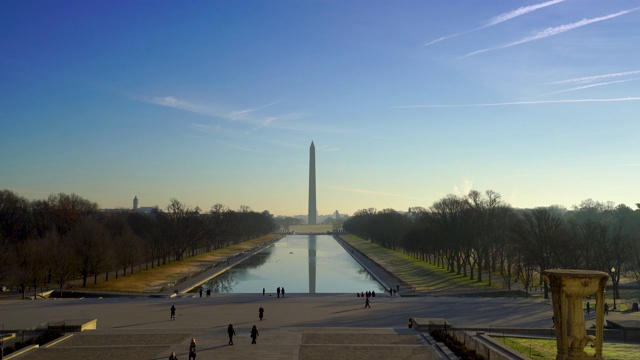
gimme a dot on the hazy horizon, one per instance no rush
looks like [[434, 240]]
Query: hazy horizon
[[218, 102]]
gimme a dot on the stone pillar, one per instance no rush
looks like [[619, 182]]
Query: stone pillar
[[568, 289]]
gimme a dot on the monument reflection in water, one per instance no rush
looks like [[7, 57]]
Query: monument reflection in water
[[301, 264]]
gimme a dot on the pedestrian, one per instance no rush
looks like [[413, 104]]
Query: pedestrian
[[208, 292], [200, 292], [260, 313], [262, 291], [390, 291], [254, 334], [192, 349], [606, 309], [366, 304], [373, 293], [397, 287], [173, 356], [410, 323], [173, 312], [278, 291], [282, 291], [231, 333], [588, 308]]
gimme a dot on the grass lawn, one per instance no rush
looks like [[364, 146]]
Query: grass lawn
[[419, 274], [153, 279], [546, 349]]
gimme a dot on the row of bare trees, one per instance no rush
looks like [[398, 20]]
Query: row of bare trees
[[481, 236], [66, 237]]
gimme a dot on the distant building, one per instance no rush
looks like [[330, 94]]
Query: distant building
[[143, 209]]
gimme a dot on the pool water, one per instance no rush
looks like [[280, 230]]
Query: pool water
[[301, 264]]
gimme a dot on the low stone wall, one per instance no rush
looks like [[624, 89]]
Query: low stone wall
[[486, 346]]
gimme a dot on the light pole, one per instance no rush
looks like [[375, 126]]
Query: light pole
[[613, 282]]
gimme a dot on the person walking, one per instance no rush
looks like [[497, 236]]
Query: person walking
[[173, 312], [262, 291], [278, 291], [200, 292], [588, 308], [366, 304], [606, 309], [254, 334], [231, 333], [192, 349], [208, 292], [282, 291], [260, 313]]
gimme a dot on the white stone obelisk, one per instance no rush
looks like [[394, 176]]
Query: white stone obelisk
[[312, 185]]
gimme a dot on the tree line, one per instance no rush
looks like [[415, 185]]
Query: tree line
[[480, 236], [64, 237]]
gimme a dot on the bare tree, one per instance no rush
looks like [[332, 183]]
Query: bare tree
[[88, 243], [538, 232], [30, 256]]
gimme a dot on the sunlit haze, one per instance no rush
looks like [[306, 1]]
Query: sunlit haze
[[218, 102]]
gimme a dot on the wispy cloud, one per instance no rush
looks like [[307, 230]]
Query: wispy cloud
[[541, 102], [501, 18], [552, 31], [587, 86], [253, 116], [368, 192], [587, 79], [240, 114]]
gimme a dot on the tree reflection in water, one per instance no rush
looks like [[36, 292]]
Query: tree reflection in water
[[226, 282]]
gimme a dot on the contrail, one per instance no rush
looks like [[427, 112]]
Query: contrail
[[552, 31], [501, 18], [568, 101], [595, 77], [519, 12], [587, 86]]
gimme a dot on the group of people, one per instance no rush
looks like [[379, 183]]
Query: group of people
[[366, 294], [232, 332], [208, 292], [279, 290]]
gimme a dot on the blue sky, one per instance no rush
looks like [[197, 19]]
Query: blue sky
[[218, 101]]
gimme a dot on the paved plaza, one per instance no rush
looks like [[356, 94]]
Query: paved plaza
[[294, 327]]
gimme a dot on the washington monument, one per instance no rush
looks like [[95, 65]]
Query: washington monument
[[312, 185]]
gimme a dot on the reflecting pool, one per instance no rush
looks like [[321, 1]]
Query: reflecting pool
[[301, 264]]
